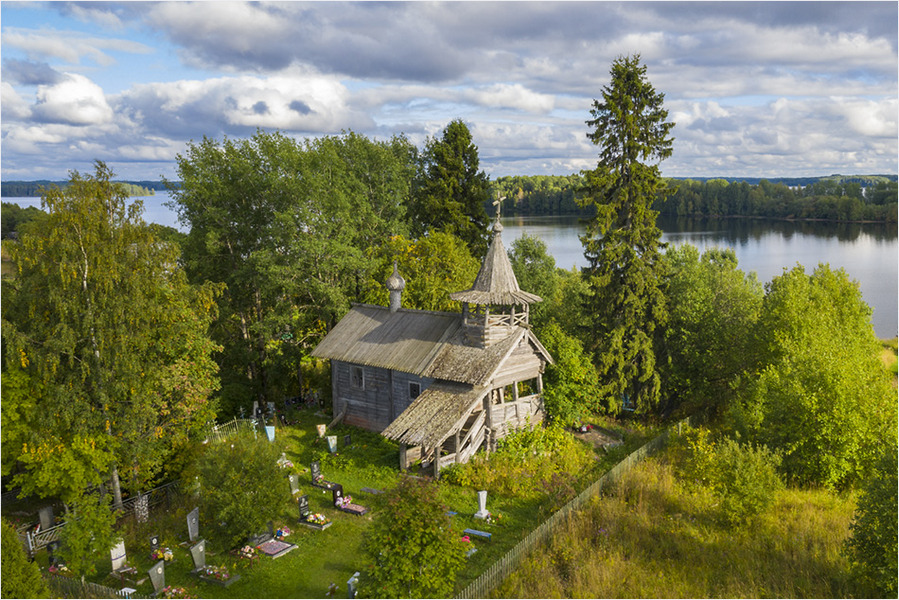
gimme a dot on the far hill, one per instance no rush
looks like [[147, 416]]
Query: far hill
[[31, 189]]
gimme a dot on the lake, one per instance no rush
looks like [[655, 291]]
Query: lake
[[868, 252]]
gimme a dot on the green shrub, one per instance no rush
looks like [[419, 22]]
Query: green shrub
[[19, 578], [89, 533], [872, 545], [414, 549], [743, 477], [526, 462], [234, 480]]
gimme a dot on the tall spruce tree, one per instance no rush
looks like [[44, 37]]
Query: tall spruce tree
[[451, 192], [622, 244]]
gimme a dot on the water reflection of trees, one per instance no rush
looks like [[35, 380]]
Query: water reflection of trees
[[739, 231]]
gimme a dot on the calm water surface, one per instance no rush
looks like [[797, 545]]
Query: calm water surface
[[868, 253]]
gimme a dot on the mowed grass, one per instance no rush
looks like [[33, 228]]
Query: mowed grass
[[653, 539]]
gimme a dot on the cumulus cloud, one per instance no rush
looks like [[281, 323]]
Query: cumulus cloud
[[75, 100], [69, 46]]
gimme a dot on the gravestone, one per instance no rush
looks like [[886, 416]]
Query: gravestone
[[316, 469], [351, 584], [482, 506], [294, 483], [118, 556], [332, 444], [321, 430], [347, 440], [337, 493], [46, 516], [157, 576], [142, 508], [198, 554], [255, 409], [303, 503], [154, 543], [270, 432], [193, 524]]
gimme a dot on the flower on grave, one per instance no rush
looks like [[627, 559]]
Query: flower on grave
[[247, 552], [58, 569], [318, 519], [319, 478], [345, 501], [220, 573], [282, 533], [466, 539], [162, 553], [171, 591]]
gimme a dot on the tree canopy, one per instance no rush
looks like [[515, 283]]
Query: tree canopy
[[107, 361], [451, 192], [622, 242]]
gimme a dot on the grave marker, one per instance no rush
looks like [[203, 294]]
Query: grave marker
[[46, 517], [198, 554], [482, 513], [337, 493], [270, 432], [351, 585], [303, 503], [154, 543], [118, 556], [321, 430], [347, 440], [157, 576], [332, 444], [193, 524], [294, 483]]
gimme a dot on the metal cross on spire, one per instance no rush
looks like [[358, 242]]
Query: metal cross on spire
[[498, 203]]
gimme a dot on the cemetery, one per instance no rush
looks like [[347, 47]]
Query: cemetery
[[314, 542]]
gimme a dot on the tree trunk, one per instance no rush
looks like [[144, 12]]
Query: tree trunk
[[116, 488]]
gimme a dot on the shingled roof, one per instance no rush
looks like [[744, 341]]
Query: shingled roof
[[431, 417], [496, 282]]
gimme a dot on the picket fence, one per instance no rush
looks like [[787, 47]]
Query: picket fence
[[499, 571], [70, 587], [218, 433]]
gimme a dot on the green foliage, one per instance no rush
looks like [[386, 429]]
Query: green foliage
[[535, 270], [622, 241], [20, 578], [525, 463], [105, 345], [873, 545], [451, 192], [743, 477], [237, 485], [286, 225], [823, 398], [414, 549], [433, 267], [540, 195], [14, 217], [571, 389], [713, 311], [89, 533]]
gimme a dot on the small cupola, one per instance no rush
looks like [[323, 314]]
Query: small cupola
[[395, 286], [494, 306]]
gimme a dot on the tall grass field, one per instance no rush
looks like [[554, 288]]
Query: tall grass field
[[652, 538]]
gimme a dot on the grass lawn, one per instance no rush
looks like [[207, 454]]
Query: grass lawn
[[333, 555]]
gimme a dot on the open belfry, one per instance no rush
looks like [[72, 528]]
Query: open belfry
[[441, 384]]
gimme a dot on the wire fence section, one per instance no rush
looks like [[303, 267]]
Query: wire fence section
[[500, 570], [219, 433]]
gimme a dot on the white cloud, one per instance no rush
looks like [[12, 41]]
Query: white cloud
[[69, 46], [76, 101], [13, 106]]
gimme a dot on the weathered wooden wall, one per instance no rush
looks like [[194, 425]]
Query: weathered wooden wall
[[384, 397]]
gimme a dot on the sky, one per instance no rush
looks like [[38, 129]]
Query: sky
[[756, 89]]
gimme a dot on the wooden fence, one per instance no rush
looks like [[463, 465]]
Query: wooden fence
[[70, 587], [496, 574]]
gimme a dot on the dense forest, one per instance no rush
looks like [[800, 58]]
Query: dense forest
[[32, 189], [834, 198]]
